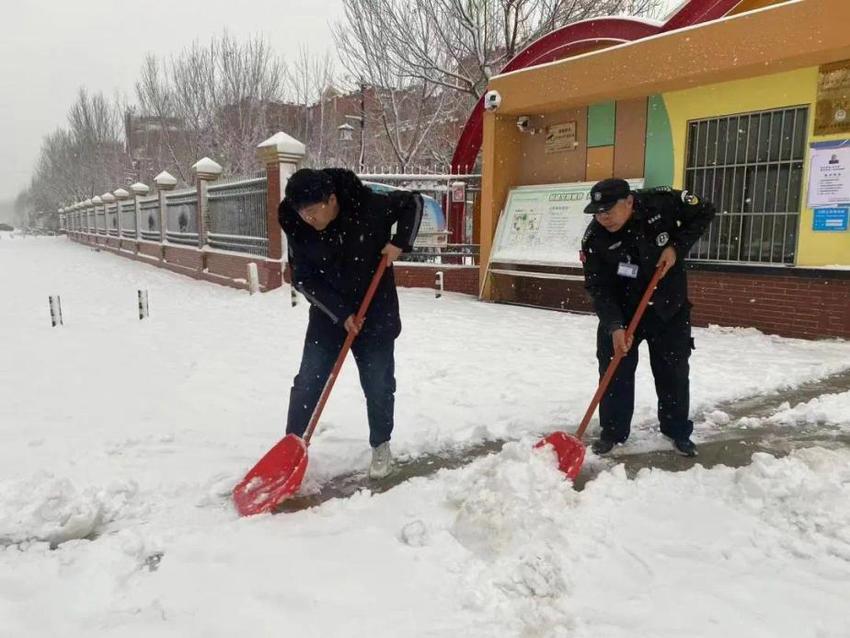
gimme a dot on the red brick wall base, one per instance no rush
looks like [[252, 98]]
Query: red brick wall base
[[791, 302], [455, 278], [217, 267], [809, 304]]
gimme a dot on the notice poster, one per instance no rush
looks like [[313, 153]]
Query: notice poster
[[544, 224], [829, 175], [561, 138]]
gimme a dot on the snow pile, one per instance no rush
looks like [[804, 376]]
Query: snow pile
[[146, 426], [803, 501], [509, 509], [46, 508], [721, 550], [829, 409]]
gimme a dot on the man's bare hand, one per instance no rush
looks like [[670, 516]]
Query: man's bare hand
[[621, 346], [352, 325], [667, 260], [392, 252]]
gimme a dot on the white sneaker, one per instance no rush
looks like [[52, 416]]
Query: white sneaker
[[382, 460]]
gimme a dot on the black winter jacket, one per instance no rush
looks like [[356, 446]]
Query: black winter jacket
[[333, 268], [662, 217]]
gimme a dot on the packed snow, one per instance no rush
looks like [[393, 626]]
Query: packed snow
[[121, 439]]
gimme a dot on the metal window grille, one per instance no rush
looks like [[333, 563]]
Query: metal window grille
[[751, 166]]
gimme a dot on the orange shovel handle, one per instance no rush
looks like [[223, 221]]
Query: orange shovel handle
[[618, 356], [346, 346]]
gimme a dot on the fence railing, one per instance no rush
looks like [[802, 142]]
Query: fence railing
[[181, 217], [127, 214], [452, 254], [149, 219], [237, 216]]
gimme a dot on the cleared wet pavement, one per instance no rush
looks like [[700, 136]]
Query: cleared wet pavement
[[732, 446]]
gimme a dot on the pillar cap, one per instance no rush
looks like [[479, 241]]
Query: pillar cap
[[139, 189], [207, 169], [281, 147], [165, 181]]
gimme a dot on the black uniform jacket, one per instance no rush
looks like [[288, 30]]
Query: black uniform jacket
[[662, 217]]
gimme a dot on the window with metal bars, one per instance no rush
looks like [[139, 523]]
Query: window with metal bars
[[751, 166]]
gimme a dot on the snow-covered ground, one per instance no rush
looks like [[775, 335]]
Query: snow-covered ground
[[120, 440]]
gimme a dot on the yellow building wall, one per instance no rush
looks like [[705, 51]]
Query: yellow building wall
[[794, 88]]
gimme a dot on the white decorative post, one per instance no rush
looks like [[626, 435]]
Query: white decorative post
[[121, 196], [206, 171], [139, 190], [282, 155], [164, 182]]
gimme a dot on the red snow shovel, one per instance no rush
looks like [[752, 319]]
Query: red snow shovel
[[279, 473], [568, 447]]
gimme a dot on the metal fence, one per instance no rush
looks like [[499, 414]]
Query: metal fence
[[751, 166], [454, 254], [127, 212], [149, 218], [237, 216], [181, 221], [112, 220], [438, 186]]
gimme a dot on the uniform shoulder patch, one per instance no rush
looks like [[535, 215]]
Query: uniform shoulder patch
[[588, 234], [688, 198]]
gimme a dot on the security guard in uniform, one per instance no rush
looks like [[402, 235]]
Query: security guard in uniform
[[631, 235]]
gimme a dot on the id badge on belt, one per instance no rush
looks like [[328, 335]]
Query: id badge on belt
[[625, 269]]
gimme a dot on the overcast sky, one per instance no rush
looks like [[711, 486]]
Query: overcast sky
[[49, 48]]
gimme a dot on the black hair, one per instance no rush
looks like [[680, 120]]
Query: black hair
[[308, 186]]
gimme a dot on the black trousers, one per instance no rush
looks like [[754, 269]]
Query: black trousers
[[376, 363], [670, 346]]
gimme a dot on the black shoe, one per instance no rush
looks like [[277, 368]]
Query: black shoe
[[601, 446], [685, 447]]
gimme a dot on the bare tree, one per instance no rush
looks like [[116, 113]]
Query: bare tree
[[460, 44], [311, 82], [249, 77], [80, 161], [407, 108], [211, 100]]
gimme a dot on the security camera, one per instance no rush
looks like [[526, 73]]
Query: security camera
[[523, 123], [492, 100]]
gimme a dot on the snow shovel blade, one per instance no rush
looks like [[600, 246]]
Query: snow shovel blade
[[570, 452], [274, 478]]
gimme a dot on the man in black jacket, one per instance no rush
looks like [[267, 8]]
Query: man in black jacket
[[337, 231], [631, 234]]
